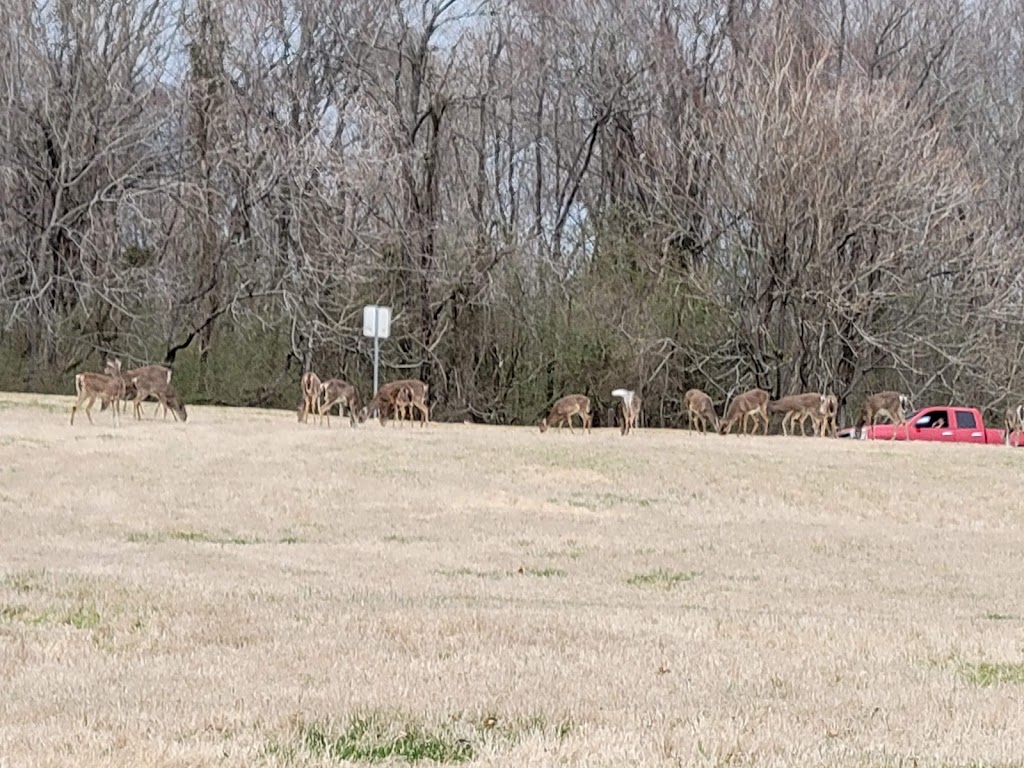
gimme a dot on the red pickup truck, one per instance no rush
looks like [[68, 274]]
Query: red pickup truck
[[940, 423]]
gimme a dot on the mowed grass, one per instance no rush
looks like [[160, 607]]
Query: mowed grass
[[243, 590]]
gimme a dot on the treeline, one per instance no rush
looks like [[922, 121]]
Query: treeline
[[553, 197]]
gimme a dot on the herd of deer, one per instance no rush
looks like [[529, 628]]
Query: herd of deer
[[405, 397], [398, 398], [115, 385], [754, 404]]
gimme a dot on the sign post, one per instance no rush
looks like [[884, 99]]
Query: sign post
[[376, 323]]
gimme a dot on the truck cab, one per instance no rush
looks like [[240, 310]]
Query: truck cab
[[941, 424]]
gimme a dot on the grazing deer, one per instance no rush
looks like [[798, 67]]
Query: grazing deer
[[798, 408], [337, 391], [631, 403], [1014, 422], [398, 394], [310, 395], [829, 415], [109, 385], [151, 381], [564, 409], [892, 404], [154, 381], [700, 410], [172, 402], [752, 404]]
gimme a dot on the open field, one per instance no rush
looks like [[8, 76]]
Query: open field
[[243, 590]]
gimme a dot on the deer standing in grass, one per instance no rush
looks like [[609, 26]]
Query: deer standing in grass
[[109, 385], [1014, 422], [151, 381], [631, 404], [799, 408], [155, 381], [564, 409], [700, 410], [752, 404], [829, 416], [310, 395], [892, 404], [398, 397], [337, 391]]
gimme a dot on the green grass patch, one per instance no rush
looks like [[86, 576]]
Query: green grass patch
[[985, 673], [608, 501], [661, 578], [82, 617], [372, 739], [516, 729], [200, 537], [13, 612], [545, 573]]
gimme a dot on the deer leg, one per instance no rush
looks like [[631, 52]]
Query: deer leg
[[421, 407], [76, 406]]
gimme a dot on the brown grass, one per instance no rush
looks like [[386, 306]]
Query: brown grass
[[243, 590]]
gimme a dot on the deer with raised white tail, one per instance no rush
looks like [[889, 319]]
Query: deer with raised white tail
[[631, 404]]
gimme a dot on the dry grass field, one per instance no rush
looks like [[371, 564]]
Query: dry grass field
[[243, 590]]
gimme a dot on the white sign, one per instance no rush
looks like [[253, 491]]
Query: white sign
[[376, 321]]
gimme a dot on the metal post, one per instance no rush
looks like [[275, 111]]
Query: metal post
[[376, 356], [377, 350]]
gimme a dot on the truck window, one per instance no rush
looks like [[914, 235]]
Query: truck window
[[965, 420], [932, 420]]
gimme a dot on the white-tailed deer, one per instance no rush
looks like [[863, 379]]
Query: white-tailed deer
[[631, 404], [151, 381], [403, 404], [1014, 422], [752, 404], [829, 415], [564, 409], [310, 396], [402, 393], [154, 381], [109, 385], [797, 409], [700, 410], [341, 393], [892, 404]]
